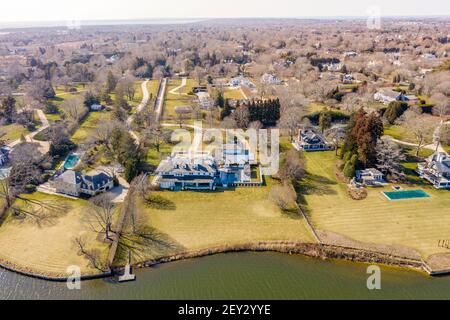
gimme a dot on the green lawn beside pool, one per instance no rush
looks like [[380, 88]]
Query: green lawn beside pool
[[418, 223]]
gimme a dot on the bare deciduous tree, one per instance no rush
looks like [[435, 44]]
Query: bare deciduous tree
[[420, 126], [102, 213]]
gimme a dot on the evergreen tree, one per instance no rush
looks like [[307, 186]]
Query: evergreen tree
[[8, 108], [324, 120], [90, 99], [220, 100]]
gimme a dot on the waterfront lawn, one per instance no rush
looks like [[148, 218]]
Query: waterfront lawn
[[199, 220], [48, 248], [418, 224]]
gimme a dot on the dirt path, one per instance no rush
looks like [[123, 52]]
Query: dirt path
[[160, 99], [432, 146], [45, 145], [183, 84], [139, 108]]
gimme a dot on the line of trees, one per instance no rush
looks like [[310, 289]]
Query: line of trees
[[359, 149]]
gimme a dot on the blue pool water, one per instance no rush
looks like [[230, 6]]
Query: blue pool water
[[71, 162], [407, 194]]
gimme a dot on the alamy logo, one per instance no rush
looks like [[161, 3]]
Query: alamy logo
[[374, 280], [74, 278], [374, 19]]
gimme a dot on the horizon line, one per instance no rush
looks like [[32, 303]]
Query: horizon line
[[144, 21]]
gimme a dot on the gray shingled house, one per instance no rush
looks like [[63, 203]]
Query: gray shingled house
[[74, 183]]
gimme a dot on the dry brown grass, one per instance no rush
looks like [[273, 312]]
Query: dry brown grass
[[49, 249]]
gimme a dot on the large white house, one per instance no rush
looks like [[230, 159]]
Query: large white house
[[309, 140], [241, 82], [268, 78], [370, 177], [436, 170], [187, 172], [231, 166], [4, 155], [386, 96], [74, 183]]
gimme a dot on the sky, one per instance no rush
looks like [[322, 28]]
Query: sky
[[64, 10]]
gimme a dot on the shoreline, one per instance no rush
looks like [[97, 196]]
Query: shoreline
[[312, 250]]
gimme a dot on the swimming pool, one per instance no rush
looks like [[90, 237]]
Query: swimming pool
[[71, 161], [406, 194]]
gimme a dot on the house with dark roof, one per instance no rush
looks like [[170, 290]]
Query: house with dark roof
[[386, 96], [436, 170], [230, 166], [74, 183], [309, 140], [187, 172], [4, 155]]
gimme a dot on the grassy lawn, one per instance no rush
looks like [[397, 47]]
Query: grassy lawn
[[190, 84], [316, 107], [154, 157], [174, 100], [416, 224], [199, 220], [12, 132], [49, 248], [138, 95], [152, 87], [90, 123], [234, 94], [396, 132]]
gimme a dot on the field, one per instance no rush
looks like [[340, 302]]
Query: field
[[199, 220], [233, 94], [405, 225], [89, 124], [397, 132], [138, 95], [12, 132], [49, 248], [174, 100], [316, 107], [152, 87]]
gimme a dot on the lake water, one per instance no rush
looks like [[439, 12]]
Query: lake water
[[241, 276]]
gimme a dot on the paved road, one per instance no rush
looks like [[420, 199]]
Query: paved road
[[45, 145], [144, 102], [432, 146], [145, 96], [139, 108], [160, 99]]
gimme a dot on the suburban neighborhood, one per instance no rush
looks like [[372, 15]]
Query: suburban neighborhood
[[146, 144]]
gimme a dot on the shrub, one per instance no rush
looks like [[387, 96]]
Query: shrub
[[349, 169], [395, 110], [30, 188]]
